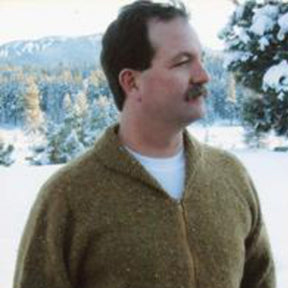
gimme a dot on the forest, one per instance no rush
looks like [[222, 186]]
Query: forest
[[65, 108]]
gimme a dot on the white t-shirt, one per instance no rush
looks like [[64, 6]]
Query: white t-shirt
[[169, 172]]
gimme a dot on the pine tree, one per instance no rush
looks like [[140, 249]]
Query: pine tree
[[67, 103], [82, 124], [81, 104], [6, 151], [64, 140], [222, 104], [102, 113], [34, 115], [256, 40]]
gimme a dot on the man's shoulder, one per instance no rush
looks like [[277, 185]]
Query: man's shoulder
[[75, 171], [219, 163], [226, 166], [82, 174], [86, 169]]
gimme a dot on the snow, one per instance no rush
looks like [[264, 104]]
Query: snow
[[235, 56], [239, 12], [73, 145], [246, 44], [263, 43], [261, 25], [264, 19], [28, 47], [276, 77], [269, 10], [242, 35], [283, 23], [20, 141], [20, 185], [3, 53], [221, 136]]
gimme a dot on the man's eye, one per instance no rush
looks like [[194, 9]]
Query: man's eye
[[182, 62]]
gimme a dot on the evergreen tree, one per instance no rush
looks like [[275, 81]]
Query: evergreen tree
[[222, 104], [81, 104], [102, 113], [62, 144], [11, 100], [62, 141], [6, 151], [34, 116], [77, 132], [257, 53], [67, 104], [97, 85]]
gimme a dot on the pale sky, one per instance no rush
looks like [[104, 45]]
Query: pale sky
[[33, 19]]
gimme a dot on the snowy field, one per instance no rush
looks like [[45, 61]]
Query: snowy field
[[20, 184]]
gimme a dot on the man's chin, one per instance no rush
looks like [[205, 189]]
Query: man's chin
[[198, 113]]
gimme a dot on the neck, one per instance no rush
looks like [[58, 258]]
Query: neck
[[153, 140]]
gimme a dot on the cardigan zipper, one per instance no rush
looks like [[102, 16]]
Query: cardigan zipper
[[184, 227]]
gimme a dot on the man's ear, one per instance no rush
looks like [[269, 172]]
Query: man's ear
[[128, 80]]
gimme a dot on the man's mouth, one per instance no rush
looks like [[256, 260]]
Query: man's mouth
[[195, 92]]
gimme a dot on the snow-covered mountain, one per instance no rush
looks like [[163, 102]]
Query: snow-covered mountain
[[51, 51]]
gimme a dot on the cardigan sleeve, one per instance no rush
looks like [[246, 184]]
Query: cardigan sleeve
[[259, 270], [43, 250]]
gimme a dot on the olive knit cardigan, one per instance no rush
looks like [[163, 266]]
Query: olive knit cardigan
[[103, 222]]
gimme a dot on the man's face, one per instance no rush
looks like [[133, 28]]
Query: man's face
[[175, 70]]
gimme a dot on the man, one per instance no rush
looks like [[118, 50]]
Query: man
[[149, 206]]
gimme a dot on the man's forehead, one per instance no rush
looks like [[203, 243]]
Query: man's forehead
[[174, 26], [175, 35]]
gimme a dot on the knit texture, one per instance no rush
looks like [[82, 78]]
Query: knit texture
[[103, 222]]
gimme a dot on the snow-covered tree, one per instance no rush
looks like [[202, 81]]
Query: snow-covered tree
[[62, 144], [11, 101], [222, 104], [81, 104], [34, 115], [102, 113], [256, 40], [67, 103], [97, 85], [63, 141], [76, 133], [6, 151]]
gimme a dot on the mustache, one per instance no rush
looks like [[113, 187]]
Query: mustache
[[196, 91]]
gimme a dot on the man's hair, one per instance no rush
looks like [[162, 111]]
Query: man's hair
[[126, 44]]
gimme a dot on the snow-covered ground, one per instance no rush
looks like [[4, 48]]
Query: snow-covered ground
[[20, 183]]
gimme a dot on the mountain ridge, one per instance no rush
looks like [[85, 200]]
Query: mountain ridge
[[52, 51]]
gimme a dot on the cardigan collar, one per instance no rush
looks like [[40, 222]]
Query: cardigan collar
[[110, 151]]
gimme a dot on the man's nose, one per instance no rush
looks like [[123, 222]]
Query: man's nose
[[199, 74]]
